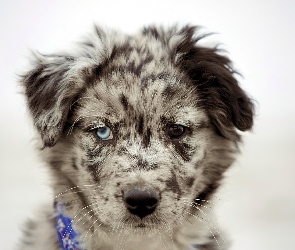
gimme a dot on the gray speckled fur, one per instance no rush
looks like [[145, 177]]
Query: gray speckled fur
[[136, 85]]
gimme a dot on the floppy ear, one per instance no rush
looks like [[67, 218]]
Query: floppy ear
[[50, 89], [56, 81], [226, 103]]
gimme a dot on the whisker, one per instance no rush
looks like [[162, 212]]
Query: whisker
[[72, 188], [72, 202], [201, 200], [207, 207], [92, 227], [167, 229], [71, 222], [83, 216], [170, 232], [116, 228], [124, 231], [77, 101], [81, 191], [72, 126], [212, 234], [121, 241], [81, 117], [210, 202], [213, 213], [164, 241], [213, 222], [183, 217], [61, 193]]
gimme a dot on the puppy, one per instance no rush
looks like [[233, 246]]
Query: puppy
[[137, 132]]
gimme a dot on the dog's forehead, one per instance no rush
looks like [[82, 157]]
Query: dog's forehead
[[119, 96], [139, 82]]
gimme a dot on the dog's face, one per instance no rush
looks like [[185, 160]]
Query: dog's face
[[143, 144], [139, 126]]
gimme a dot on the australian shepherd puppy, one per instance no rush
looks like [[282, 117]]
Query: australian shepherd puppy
[[137, 132]]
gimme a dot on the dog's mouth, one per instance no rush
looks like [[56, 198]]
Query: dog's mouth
[[142, 228], [147, 223], [140, 225]]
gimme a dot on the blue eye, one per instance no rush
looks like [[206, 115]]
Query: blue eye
[[104, 133]]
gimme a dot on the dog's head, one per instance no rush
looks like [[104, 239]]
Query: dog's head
[[137, 126]]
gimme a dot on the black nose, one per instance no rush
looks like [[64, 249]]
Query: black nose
[[141, 202]]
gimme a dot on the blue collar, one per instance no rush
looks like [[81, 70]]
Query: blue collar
[[68, 238]]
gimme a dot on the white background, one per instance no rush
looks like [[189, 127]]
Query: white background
[[257, 205]]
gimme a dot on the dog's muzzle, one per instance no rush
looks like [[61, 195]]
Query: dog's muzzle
[[141, 202]]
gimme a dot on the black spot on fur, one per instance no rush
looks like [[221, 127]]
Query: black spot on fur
[[190, 181], [140, 124], [182, 149], [74, 164], [92, 154], [124, 101], [164, 120], [172, 184], [137, 69], [143, 164], [146, 137], [123, 50], [150, 79], [144, 132], [154, 166], [152, 31], [170, 92], [93, 170], [144, 62], [122, 151]]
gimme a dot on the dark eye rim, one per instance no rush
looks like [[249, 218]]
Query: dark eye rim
[[185, 131]]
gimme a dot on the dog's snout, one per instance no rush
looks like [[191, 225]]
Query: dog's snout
[[141, 202]]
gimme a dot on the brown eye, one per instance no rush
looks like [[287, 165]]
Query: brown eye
[[175, 131]]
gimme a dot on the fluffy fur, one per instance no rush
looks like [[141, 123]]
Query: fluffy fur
[[140, 87]]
